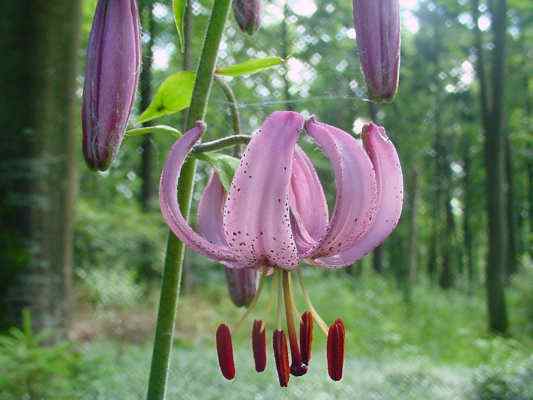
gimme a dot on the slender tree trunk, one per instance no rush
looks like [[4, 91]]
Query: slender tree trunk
[[145, 94], [285, 51], [37, 162], [492, 116], [512, 250], [467, 215], [412, 247], [448, 271], [148, 189]]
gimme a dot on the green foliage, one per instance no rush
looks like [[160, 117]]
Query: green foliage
[[510, 381], [223, 164], [32, 370], [113, 287], [163, 129], [250, 67], [173, 95], [116, 238], [178, 6]]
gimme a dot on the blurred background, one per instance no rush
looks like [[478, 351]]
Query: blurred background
[[429, 314]]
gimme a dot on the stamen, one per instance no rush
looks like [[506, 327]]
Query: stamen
[[322, 325], [297, 367], [306, 336], [225, 352], [259, 345], [281, 355], [336, 350]]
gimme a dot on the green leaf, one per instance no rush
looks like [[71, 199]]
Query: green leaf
[[223, 164], [173, 95], [250, 66], [165, 129], [179, 11]]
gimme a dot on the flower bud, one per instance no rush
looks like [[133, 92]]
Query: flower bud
[[377, 27], [242, 285], [248, 15], [111, 77]]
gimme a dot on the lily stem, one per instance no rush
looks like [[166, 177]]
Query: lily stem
[[175, 252], [220, 144], [233, 105]]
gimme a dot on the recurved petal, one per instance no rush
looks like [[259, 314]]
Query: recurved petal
[[169, 201], [309, 210], [390, 197], [256, 216], [356, 193], [242, 283]]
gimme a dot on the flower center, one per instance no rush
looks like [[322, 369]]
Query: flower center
[[299, 345]]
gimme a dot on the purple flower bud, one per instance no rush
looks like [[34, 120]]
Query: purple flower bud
[[377, 26], [248, 15], [242, 285], [111, 76]]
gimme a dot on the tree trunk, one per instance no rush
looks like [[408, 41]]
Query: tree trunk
[[145, 94], [467, 215], [512, 250], [285, 51], [148, 183], [37, 162], [492, 113], [447, 273], [413, 231]]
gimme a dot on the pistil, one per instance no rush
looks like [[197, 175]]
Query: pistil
[[306, 336], [297, 367]]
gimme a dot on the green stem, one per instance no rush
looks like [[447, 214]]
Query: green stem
[[220, 144], [175, 253], [233, 106]]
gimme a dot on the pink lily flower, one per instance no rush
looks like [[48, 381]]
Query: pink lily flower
[[275, 215]]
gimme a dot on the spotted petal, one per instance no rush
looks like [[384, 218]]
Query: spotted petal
[[356, 193], [390, 197], [256, 216], [169, 201], [242, 283]]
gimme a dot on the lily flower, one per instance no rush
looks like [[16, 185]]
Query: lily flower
[[275, 217], [377, 27], [111, 77]]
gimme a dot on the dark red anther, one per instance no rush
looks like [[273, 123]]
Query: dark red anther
[[298, 368], [306, 336], [336, 350], [225, 352], [281, 355], [259, 345]]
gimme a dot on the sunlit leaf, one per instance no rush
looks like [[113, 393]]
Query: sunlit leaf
[[157, 129], [224, 164], [179, 11], [250, 67], [172, 96]]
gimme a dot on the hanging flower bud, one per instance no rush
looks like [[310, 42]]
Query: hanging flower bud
[[248, 15], [377, 27], [111, 76], [242, 285]]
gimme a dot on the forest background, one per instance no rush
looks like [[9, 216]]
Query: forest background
[[439, 311]]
